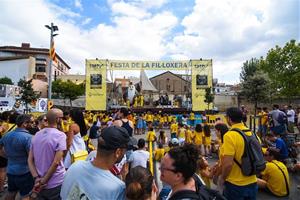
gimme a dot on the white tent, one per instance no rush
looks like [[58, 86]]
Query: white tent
[[146, 84]]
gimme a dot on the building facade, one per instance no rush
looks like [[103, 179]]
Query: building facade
[[171, 83], [42, 60], [30, 63]]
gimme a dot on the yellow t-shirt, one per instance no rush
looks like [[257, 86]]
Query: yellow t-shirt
[[207, 140], [151, 136], [192, 116], [181, 133], [198, 138], [264, 117], [234, 146], [275, 179], [189, 136], [149, 118], [174, 128], [7, 127], [158, 154], [170, 118], [161, 120], [167, 149], [65, 126]]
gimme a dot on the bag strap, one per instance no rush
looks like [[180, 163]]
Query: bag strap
[[11, 128], [285, 179], [241, 132]]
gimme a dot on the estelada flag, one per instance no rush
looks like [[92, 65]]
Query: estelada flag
[[52, 53]]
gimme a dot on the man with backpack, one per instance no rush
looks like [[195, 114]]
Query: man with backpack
[[242, 159]]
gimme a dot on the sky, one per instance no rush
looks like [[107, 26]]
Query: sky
[[227, 31]]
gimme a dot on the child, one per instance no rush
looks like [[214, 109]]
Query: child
[[207, 140], [174, 129], [204, 171], [162, 139], [139, 125], [189, 136], [181, 134], [151, 136], [159, 153], [198, 139]]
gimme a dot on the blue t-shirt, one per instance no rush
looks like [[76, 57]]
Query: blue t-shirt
[[17, 145], [280, 144], [83, 179]]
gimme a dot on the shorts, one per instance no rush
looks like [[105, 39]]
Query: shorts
[[3, 162], [52, 193], [22, 183]]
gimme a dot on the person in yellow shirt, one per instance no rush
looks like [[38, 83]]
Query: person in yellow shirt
[[189, 135], [192, 119], [151, 136], [262, 122], [159, 152], [198, 139], [141, 100], [236, 184], [275, 178], [207, 140], [181, 134], [161, 121], [173, 129]]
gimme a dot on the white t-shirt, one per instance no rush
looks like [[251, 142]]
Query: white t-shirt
[[291, 115], [85, 181], [139, 158]]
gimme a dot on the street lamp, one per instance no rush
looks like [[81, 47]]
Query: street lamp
[[52, 29]]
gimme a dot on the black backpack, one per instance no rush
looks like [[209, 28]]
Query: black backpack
[[253, 161], [202, 193]]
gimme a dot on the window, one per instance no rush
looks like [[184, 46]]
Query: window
[[40, 68]]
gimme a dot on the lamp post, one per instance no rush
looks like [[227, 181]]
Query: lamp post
[[52, 29]]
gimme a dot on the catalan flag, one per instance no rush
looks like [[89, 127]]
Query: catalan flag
[[52, 53]]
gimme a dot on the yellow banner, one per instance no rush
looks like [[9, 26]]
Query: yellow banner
[[146, 65], [202, 77], [95, 98]]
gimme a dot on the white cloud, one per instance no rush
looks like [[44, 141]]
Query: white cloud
[[86, 21], [227, 31], [127, 9], [78, 4], [232, 31]]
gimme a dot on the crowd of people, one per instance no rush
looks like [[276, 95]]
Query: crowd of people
[[84, 155]]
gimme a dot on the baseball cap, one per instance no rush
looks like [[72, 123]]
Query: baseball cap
[[115, 137]]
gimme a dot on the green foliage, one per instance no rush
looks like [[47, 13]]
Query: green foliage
[[28, 94], [255, 88], [209, 96], [283, 67], [6, 80], [249, 68], [68, 89]]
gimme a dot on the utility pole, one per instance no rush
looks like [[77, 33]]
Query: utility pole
[[52, 29]]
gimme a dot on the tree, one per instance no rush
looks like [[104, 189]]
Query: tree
[[249, 68], [255, 89], [68, 90], [283, 67], [6, 80], [28, 94], [209, 97]]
